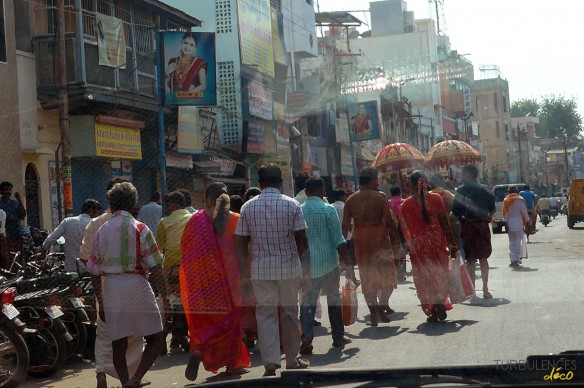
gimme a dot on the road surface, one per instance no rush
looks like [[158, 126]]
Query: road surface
[[534, 311]]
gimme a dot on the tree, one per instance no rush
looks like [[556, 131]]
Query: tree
[[557, 114]]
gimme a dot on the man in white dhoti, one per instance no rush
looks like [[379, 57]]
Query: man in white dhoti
[[516, 215]]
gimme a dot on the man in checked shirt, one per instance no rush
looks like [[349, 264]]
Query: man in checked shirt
[[273, 227]]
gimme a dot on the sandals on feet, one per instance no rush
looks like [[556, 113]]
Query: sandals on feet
[[270, 370], [300, 364]]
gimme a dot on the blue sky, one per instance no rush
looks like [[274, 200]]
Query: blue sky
[[537, 44]]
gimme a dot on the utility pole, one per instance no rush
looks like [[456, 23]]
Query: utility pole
[[521, 177], [64, 110], [566, 160]]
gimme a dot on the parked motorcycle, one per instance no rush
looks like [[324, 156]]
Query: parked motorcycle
[[14, 354]]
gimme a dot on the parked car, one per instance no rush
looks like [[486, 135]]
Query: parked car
[[500, 191], [576, 202]]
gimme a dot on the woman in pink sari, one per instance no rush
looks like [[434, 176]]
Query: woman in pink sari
[[210, 287], [425, 226]]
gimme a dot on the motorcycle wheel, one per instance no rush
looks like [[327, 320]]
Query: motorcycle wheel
[[14, 358], [49, 349], [78, 331]]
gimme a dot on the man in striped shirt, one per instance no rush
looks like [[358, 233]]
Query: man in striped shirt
[[326, 243]]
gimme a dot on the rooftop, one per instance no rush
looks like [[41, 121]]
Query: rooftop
[[336, 18]]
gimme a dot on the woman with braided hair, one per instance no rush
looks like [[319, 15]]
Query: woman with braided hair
[[425, 226], [210, 287]]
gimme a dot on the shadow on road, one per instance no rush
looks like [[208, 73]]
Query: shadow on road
[[480, 302], [334, 356], [525, 269], [441, 328], [380, 332]]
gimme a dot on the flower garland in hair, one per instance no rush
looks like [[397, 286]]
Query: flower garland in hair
[[222, 204], [422, 184]]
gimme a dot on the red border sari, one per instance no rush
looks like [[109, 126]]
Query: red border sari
[[210, 290]]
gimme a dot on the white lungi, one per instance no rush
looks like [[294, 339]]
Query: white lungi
[[517, 245]]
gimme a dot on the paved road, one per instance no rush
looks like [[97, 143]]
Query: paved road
[[532, 312]]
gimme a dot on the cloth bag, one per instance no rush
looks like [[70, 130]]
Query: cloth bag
[[461, 288], [350, 303]]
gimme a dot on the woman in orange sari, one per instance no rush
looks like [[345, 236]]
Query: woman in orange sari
[[210, 287], [425, 226]]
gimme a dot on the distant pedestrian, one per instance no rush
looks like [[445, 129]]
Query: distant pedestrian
[[124, 252], [396, 200], [73, 230], [339, 197], [251, 193], [236, 203], [15, 213], [210, 286], [516, 215], [377, 243], [327, 245], [472, 212], [151, 213], [531, 203], [425, 225], [273, 227], [188, 200]]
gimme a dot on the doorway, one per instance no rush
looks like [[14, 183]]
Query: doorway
[[32, 187]]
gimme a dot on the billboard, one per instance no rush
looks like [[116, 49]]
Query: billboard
[[117, 142], [255, 35], [189, 135], [255, 138], [260, 101], [189, 68], [363, 121], [111, 41]]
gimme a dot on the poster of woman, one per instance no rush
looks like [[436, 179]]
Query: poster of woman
[[189, 68], [363, 121]]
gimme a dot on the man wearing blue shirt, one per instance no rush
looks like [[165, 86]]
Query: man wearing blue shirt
[[15, 213], [326, 243], [530, 201]]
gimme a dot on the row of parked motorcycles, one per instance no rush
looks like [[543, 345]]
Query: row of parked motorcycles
[[48, 315]]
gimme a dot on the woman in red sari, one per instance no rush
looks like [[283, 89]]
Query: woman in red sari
[[425, 227], [210, 287], [187, 72]]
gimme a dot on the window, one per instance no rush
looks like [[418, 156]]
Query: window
[[2, 33], [496, 99], [505, 104], [498, 130], [476, 104], [507, 131]]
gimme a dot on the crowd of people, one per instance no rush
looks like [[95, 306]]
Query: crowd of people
[[254, 267]]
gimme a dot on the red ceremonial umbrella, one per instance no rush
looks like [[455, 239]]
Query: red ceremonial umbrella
[[398, 156], [452, 153]]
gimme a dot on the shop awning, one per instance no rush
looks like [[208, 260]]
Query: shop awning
[[207, 165], [228, 181]]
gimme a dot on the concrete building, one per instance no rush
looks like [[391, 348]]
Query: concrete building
[[491, 110], [10, 123]]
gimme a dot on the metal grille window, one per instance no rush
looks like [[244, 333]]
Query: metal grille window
[[227, 97], [223, 16]]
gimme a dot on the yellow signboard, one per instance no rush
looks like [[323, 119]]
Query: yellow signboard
[[282, 162], [255, 29], [117, 142]]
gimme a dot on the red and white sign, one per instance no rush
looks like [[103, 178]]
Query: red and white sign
[[260, 101]]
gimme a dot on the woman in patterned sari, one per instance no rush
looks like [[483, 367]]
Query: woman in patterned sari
[[424, 223], [210, 287]]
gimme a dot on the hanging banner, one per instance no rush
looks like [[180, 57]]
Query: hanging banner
[[190, 73], [255, 35], [117, 142], [282, 136], [342, 129], [364, 124], [278, 38], [255, 138], [111, 41], [189, 135], [346, 161], [260, 101]]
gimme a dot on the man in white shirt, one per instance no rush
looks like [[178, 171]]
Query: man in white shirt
[[516, 216], [340, 197], [73, 229], [151, 213]]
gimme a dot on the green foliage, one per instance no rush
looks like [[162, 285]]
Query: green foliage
[[557, 115]]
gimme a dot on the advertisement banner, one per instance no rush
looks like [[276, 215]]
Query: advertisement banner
[[364, 123], [189, 68], [260, 101], [111, 41], [53, 176], [189, 135], [255, 34], [227, 167], [283, 162], [282, 136], [117, 142], [346, 161], [255, 138], [278, 38], [342, 129]]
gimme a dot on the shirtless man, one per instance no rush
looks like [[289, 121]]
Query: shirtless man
[[377, 243]]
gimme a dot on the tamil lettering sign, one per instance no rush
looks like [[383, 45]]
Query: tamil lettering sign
[[342, 129], [189, 68], [227, 167], [255, 138], [467, 104], [117, 142], [364, 123], [260, 101], [255, 35], [111, 41], [346, 161], [189, 135]]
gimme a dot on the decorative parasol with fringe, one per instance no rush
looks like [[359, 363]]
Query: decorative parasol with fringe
[[452, 153], [398, 156]]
